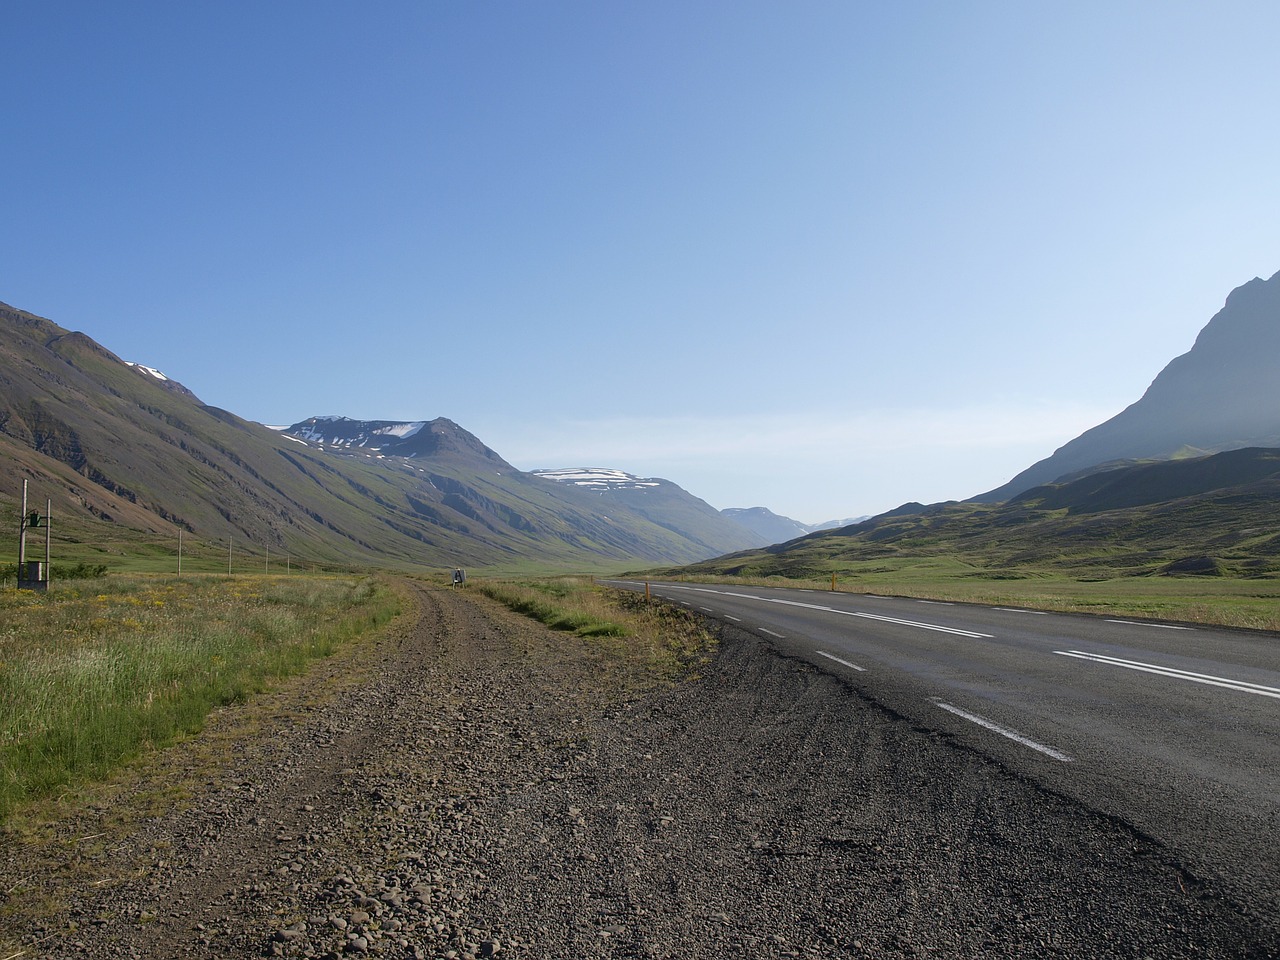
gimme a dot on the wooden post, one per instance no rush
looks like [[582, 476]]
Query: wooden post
[[646, 590], [833, 581]]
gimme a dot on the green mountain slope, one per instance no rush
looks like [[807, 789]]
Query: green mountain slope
[[121, 451], [1215, 514]]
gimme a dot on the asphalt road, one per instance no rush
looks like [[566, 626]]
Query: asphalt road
[[1172, 729]]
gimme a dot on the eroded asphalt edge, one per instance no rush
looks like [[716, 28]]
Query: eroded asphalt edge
[[478, 786]]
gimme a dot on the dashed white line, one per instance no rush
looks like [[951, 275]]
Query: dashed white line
[[1035, 613], [1241, 685], [1004, 731], [843, 663], [937, 603], [772, 634], [734, 619]]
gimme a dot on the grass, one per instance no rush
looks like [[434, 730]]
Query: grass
[[96, 671], [653, 640], [565, 603]]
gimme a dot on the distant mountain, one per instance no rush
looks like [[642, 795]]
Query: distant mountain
[[660, 501], [833, 524], [393, 438], [1205, 515], [769, 526], [774, 528], [1224, 394], [130, 458]]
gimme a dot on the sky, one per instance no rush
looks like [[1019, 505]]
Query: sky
[[823, 257]]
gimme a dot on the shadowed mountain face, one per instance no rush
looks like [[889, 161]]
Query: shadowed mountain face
[[118, 447], [1223, 394]]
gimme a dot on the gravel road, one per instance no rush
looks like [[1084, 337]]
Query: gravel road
[[470, 784]]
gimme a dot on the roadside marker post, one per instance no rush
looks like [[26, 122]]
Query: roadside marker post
[[646, 590], [833, 583]]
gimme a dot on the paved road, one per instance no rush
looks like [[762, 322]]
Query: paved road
[[1173, 729]]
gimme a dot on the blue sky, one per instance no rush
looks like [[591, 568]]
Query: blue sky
[[820, 257]]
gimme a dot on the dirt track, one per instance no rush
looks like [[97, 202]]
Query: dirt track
[[472, 784]]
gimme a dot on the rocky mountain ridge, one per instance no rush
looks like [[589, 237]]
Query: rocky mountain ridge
[[1221, 395]]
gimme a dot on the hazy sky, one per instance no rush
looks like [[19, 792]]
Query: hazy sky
[[821, 257]]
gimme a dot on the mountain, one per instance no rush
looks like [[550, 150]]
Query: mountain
[[832, 524], [769, 526], [130, 458], [1223, 394], [1203, 515], [773, 528], [659, 501]]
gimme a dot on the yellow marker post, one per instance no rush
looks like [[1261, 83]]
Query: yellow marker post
[[833, 581]]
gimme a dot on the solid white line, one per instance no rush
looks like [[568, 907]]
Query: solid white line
[[924, 626], [1241, 685], [1003, 731], [772, 634], [848, 613], [845, 663], [1158, 626]]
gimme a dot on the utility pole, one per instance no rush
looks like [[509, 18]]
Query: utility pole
[[22, 535], [35, 578]]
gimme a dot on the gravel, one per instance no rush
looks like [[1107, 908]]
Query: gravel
[[470, 784]]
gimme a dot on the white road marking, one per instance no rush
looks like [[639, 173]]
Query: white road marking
[[705, 609], [1038, 613], [956, 631], [1241, 685], [1003, 731], [844, 663], [937, 603], [734, 619], [1158, 626], [772, 634]]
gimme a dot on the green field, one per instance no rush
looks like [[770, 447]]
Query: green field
[[96, 671]]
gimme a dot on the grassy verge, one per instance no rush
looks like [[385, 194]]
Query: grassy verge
[[1249, 603], [95, 671], [654, 640]]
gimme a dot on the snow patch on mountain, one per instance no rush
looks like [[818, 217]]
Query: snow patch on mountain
[[402, 430], [151, 371], [597, 478]]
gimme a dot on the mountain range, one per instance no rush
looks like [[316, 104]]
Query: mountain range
[[778, 529], [133, 461]]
